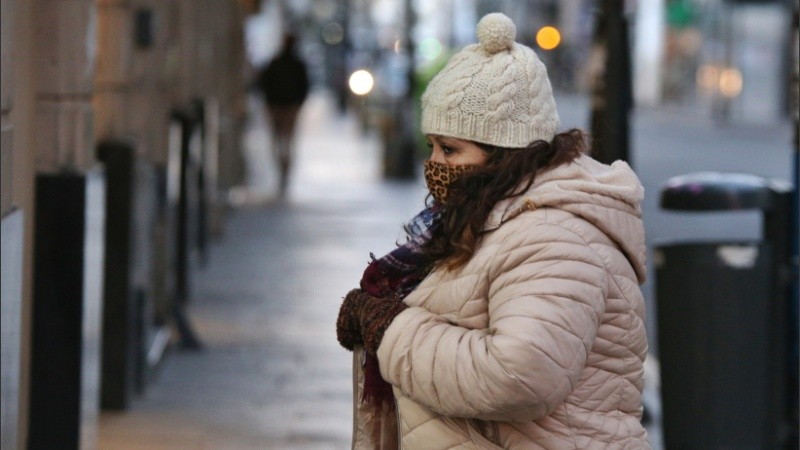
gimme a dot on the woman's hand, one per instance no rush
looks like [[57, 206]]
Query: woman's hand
[[363, 319], [348, 329]]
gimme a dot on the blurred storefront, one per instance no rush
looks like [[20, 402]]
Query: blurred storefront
[[730, 57]]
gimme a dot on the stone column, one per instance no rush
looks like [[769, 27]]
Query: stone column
[[12, 238], [6, 129], [62, 49], [64, 62], [189, 54], [221, 82], [17, 173], [133, 85], [45, 126], [136, 73], [112, 79], [227, 90]]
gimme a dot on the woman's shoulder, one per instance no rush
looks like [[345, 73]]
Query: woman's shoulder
[[562, 234], [551, 228], [546, 224]]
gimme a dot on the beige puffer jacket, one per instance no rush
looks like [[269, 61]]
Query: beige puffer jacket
[[538, 341]]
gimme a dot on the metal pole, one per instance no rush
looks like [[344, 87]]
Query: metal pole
[[188, 338], [612, 97], [724, 102], [401, 165], [794, 236], [410, 21]]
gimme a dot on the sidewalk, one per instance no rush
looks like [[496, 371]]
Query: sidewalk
[[272, 375]]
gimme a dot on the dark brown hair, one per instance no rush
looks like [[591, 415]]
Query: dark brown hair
[[507, 173]]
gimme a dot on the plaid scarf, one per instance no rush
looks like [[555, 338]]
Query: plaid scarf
[[397, 273]]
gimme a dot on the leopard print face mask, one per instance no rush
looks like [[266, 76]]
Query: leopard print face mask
[[439, 176]]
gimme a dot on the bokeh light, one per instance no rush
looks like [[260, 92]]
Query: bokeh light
[[730, 82], [548, 38], [430, 48], [332, 33], [361, 82]]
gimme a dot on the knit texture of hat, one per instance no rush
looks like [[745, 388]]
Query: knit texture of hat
[[495, 92]]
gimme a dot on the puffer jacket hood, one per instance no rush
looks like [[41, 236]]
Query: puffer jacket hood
[[608, 197]]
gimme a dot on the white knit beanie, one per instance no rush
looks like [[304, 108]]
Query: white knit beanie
[[495, 92]]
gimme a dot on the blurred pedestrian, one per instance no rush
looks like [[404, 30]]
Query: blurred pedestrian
[[284, 84], [512, 316]]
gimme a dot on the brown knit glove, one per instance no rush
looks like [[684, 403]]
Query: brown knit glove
[[363, 319], [348, 329], [375, 317]]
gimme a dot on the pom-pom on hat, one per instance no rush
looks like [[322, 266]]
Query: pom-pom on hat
[[495, 92]]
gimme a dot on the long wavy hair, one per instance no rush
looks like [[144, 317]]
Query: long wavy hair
[[507, 173]]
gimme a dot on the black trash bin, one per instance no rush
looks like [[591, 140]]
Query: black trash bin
[[722, 320]]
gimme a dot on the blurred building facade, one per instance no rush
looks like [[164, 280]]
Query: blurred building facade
[[92, 91]]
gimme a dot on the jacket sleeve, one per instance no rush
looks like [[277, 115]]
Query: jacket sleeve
[[547, 289]]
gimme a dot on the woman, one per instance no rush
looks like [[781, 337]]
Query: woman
[[512, 318]]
